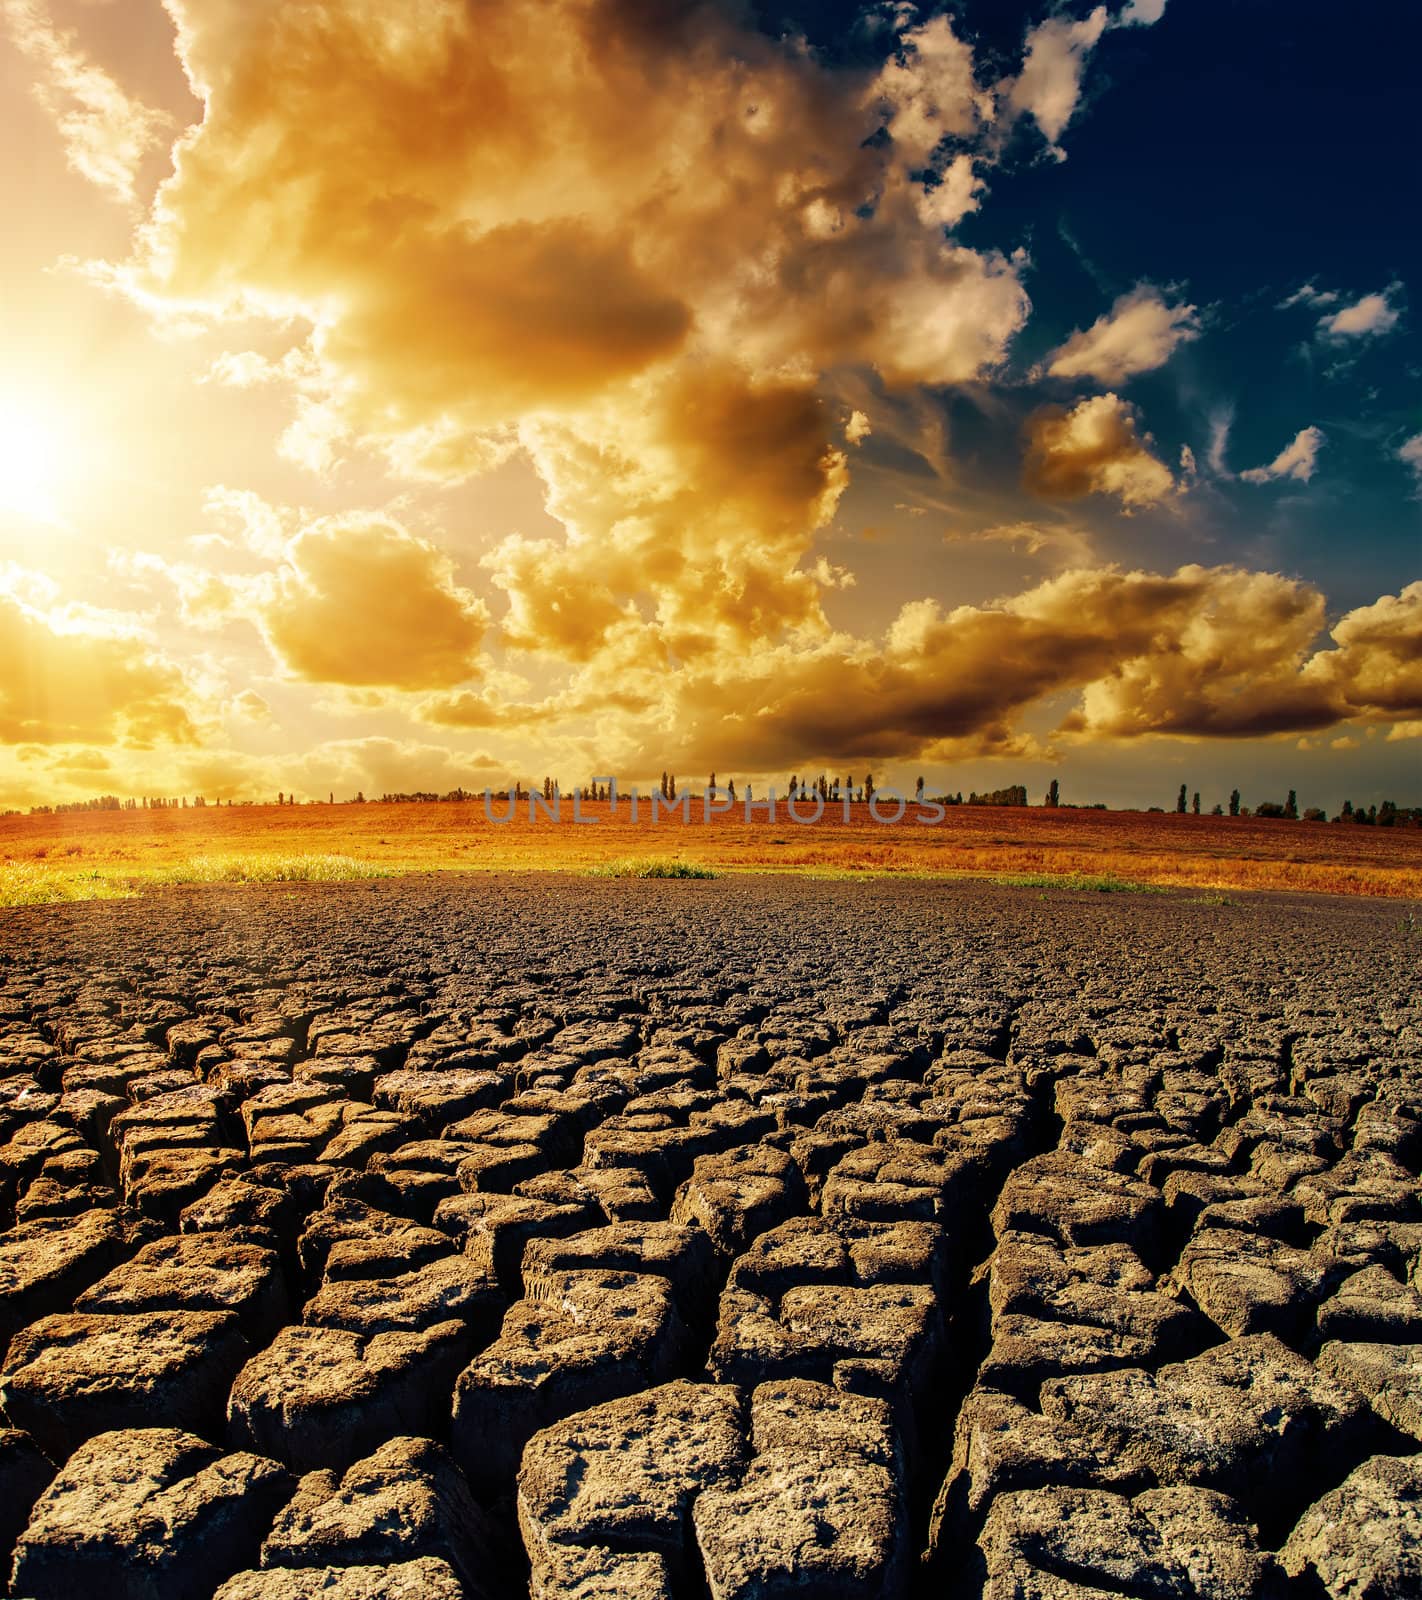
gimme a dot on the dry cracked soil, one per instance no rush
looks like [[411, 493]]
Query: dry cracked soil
[[710, 1241]]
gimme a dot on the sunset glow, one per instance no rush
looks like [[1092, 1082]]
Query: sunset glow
[[420, 396]]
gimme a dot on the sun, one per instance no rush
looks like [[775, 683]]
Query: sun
[[32, 464]]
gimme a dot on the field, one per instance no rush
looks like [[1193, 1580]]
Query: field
[[481, 1238], [102, 854]]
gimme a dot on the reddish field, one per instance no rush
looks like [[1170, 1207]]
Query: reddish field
[[1186, 851]]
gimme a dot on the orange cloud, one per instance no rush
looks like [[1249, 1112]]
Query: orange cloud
[[72, 677], [1093, 449], [367, 603]]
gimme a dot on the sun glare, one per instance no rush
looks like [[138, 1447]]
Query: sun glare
[[32, 464]]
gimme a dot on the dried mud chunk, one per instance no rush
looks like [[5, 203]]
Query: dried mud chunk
[[1078, 1203], [739, 1194], [589, 1337], [1364, 1540], [499, 1226], [161, 1183], [624, 1193], [197, 1272], [624, 1474], [69, 1377], [1390, 1375], [1248, 1283], [439, 1097], [802, 1523], [1249, 1418], [324, 1397], [426, 1579], [1001, 1445], [251, 1212], [44, 1264], [147, 1514], [793, 1414], [682, 1255], [569, 1572], [459, 1288], [406, 1501], [349, 1239], [902, 1181], [1168, 1544], [1372, 1306]]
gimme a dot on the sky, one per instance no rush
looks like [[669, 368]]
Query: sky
[[405, 396]]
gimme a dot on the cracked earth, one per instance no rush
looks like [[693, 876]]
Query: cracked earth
[[710, 1241]]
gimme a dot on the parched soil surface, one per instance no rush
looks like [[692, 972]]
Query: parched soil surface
[[750, 1239]]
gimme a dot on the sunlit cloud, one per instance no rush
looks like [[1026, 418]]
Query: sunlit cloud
[[107, 134], [1094, 448], [1138, 334], [1297, 460]]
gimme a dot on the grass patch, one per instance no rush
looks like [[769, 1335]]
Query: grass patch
[[1094, 883], [262, 868], [649, 867], [24, 883]]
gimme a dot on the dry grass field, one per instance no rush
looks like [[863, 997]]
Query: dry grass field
[[104, 854]]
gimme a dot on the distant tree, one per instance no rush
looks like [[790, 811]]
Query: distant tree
[[360, 798], [731, 790], [1054, 794], [1234, 802], [1314, 814], [794, 784], [664, 785], [1291, 805], [1387, 815], [1180, 801], [1218, 810], [1195, 803], [918, 790], [1346, 814], [713, 781], [868, 785], [671, 786]]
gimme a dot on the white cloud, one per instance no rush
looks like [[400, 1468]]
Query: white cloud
[[1049, 85], [1409, 452], [1137, 334], [1221, 421], [1296, 460], [1367, 318], [1048, 88]]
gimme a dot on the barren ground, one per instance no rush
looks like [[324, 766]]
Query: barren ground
[[750, 1238]]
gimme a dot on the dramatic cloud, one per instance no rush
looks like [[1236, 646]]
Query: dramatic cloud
[[1296, 460], [1367, 318], [368, 603], [1205, 652], [1409, 452], [482, 218], [106, 133], [1138, 334], [1093, 449], [1377, 668], [71, 676]]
